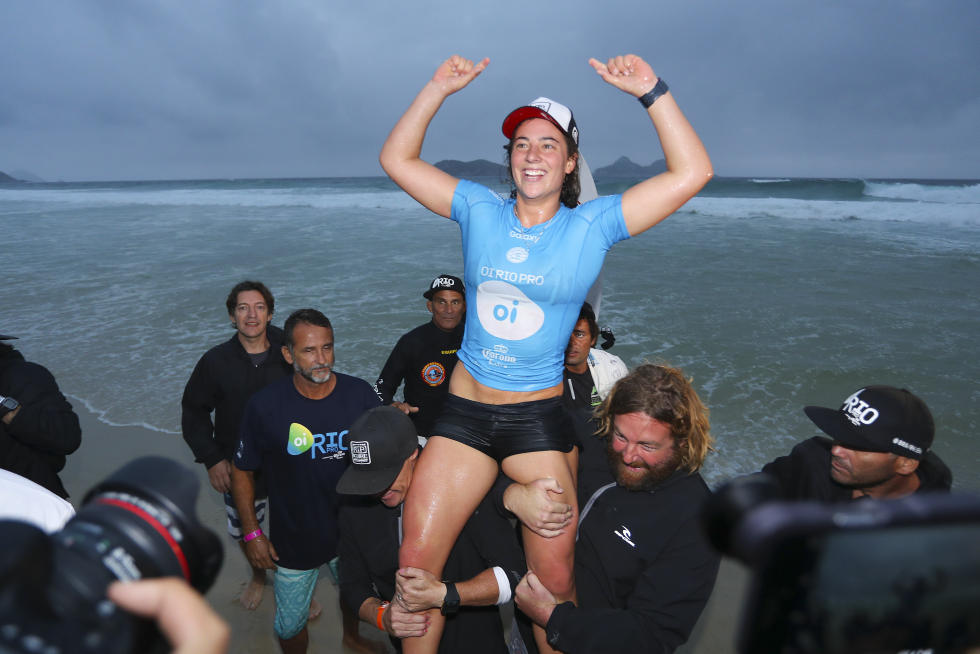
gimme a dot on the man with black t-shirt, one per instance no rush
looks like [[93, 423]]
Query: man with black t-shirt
[[295, 432], [425, 357]]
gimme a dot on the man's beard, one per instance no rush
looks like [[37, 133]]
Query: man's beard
[[314, 374], [650, 479]]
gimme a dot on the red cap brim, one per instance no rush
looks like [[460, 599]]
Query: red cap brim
[[519, 115]]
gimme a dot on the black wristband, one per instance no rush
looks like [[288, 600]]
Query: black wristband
[[450, 604], [648, 98]]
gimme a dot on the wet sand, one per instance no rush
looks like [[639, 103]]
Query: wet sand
[[106, 448]]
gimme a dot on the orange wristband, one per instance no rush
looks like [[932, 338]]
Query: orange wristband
[[380, 615]]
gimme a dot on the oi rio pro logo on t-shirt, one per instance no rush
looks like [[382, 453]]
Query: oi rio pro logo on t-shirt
[[326, 446]]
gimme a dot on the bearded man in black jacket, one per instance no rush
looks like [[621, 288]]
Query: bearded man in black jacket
[[644, 569]]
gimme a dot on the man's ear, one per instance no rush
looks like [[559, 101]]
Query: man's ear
[[905, 465], [287, 355]]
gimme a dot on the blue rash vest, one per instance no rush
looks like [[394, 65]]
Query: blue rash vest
[[525, 286]]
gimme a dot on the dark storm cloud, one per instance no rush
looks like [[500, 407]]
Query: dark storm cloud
[[107, 90]]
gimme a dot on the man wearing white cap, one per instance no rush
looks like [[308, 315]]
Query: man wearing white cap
[[878, 447]]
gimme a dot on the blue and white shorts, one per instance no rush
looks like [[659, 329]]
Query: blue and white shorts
[[235, 522], [294, 592]]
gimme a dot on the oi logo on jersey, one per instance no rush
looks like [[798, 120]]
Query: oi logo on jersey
[[506, 312], [300, 439]]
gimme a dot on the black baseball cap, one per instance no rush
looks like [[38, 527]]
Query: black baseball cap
[[380, 442], [444, 283], [4, 337], [879, 419]]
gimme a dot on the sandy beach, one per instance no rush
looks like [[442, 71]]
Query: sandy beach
[[106, 448]]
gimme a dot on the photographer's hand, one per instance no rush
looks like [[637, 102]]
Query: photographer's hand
[[181, 613]]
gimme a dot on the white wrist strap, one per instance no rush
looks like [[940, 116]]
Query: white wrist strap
[[503, 585]]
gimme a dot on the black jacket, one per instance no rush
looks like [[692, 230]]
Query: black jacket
[[804, 474], [643, 570], [44, 431], [223, 381], [424, 358], [368, 553]]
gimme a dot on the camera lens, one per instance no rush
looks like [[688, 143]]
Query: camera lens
[[138, 523]]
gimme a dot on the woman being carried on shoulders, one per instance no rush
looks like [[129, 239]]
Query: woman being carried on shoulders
[[528, 263]]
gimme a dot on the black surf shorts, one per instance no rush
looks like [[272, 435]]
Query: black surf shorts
[[502, 430]]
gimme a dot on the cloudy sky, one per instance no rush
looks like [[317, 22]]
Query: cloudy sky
[[178, 89]]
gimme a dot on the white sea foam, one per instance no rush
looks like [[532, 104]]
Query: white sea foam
[[834, 210], [192, 197], [924, 192]]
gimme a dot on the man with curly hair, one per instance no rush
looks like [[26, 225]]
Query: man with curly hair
[[643, 568]]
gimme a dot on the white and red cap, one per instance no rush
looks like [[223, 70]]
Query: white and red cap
[[550, 110]]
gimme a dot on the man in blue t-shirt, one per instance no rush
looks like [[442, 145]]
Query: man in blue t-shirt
[[295, 431]]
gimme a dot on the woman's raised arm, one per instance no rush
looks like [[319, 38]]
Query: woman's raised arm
[[400, 155], [688, 165]]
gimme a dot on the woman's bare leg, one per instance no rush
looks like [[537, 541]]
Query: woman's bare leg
[[551, 559], [449, 481]]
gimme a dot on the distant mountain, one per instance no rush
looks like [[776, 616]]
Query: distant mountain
[[478, 168], [6, 179], [26, 176], [624, 168]]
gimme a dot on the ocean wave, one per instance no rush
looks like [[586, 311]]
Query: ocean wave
[[831, 210], [324, 198], [101, 416], [947, 194]]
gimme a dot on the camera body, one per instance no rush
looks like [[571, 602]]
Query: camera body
[[138, 523], [852, 578]]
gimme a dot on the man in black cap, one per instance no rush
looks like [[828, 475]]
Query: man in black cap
[[424, 357], [38, 427], [483, 568], [878, 447]]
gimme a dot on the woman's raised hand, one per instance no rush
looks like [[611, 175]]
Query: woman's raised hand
[[456, 72], [627, 73]]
